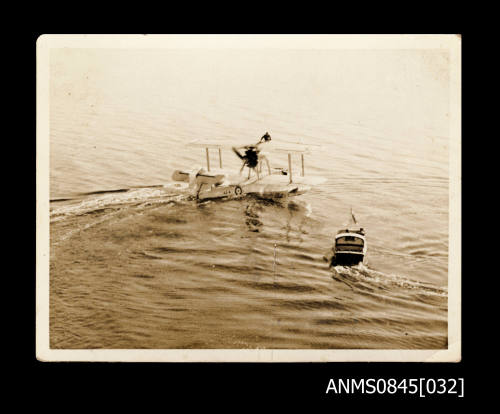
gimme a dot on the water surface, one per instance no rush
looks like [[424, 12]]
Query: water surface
[[136, 262]]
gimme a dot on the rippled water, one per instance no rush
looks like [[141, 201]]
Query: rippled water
[[136, 262]]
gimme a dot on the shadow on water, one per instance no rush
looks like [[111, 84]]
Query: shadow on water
[[257, 208], [257, 211]]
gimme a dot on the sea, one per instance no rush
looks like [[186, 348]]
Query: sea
[[136, 262]]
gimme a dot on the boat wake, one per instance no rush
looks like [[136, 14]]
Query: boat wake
[[362, 278], [112, 200]]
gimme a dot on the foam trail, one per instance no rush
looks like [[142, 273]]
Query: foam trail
[[115, 199], [361, 273]]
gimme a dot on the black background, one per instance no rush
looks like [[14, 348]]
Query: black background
[[236, 386]]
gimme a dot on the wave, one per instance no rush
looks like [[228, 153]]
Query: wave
[[110, 200], [120, 190], [363, 278], [58, 200]]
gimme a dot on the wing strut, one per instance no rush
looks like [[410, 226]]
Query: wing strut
[[208, 158]]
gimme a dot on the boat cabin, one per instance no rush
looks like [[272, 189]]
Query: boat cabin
[[349, 247], [349, 242]]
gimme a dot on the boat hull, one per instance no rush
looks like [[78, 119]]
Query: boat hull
[[347, 259]]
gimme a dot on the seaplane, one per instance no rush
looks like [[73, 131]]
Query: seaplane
[[255, 177], [349, 245]]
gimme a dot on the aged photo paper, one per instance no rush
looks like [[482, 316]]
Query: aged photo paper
[[248, 198]]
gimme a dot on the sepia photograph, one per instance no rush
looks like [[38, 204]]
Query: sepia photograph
[[248, 198]]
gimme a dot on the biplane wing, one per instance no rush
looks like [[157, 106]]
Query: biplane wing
[[216, 182]]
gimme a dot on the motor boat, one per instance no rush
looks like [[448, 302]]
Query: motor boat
[[349, 246]]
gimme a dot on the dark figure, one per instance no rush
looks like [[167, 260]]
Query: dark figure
[[251, 157]]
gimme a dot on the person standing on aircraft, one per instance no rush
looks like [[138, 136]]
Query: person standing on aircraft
[[252, 156]]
